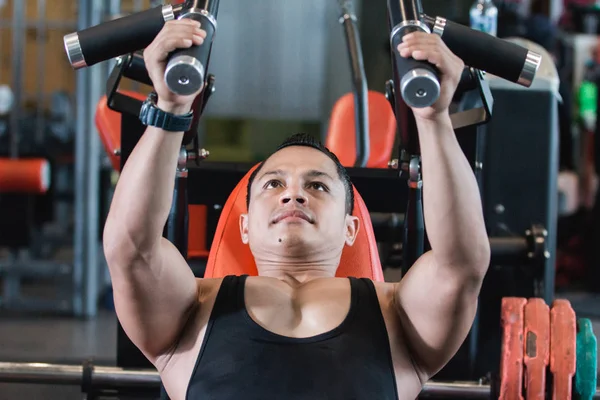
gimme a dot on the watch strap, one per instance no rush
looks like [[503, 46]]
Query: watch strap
[[151, 115], [167, 121]]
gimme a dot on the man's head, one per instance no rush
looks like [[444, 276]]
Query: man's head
[[300, 203]]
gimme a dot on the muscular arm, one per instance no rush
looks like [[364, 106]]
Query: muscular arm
[[154, 288], [155, 291], [437, 299]]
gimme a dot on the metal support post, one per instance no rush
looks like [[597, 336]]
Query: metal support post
[[87, 170]]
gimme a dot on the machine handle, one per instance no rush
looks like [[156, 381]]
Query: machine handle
[[488, 53], [419, 80], [186, 68], [117, 37]]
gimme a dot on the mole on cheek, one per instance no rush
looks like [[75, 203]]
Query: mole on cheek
[[279, 240]]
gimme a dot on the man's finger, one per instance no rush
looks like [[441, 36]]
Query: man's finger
[[183, 21], [183, 38], [431, 51], [182, 30], [170, 44], [408, 51], [418, 38], [445, 63], [434, 58]]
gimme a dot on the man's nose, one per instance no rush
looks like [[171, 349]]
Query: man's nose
[[294, 193]]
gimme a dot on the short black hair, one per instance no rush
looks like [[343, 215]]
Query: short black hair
[[303, 139]]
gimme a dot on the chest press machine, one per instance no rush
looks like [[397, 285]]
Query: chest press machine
[[562, 344]]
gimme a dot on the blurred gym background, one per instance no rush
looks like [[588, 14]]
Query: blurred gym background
[[280, 68]]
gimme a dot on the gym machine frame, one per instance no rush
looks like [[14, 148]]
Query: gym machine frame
[[405, 16], [85, 48], [416, 84]]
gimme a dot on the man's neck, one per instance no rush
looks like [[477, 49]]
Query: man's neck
[[296, 272]]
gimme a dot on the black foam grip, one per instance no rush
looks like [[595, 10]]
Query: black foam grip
[[485, 52], [137, 69], [202, 52], [405, 65], [120, 36], [467, 81]]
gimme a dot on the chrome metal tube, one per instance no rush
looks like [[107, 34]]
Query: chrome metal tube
[[530, 67], [359, 83], [112, 377], [82, 133], [17, 68], [456, 390], [41, 373], [70, 375]]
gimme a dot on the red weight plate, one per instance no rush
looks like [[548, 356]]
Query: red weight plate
[[511, 361], [563, 346], [536, 339]]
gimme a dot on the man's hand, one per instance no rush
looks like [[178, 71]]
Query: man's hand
[[430, 47], [176, 34]]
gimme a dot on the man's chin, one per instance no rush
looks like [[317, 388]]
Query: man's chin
[[292, 239]]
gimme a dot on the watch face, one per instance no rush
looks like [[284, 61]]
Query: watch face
[[144, 110]]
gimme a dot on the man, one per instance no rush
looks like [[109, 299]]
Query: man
[[295, 331]]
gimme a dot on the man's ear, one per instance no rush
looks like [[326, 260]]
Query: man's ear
[[352, 227], [244, 227]]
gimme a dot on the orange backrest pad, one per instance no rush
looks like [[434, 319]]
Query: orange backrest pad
[[229, 256], [108, 123], [197, 232], [341, 136]]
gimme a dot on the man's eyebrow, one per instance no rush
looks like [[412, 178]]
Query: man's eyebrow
[[313, 173], [273, 172], [316, 173]]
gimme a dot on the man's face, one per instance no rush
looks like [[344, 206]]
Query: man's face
[[298, 207]]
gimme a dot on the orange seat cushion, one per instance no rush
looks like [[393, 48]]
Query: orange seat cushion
[[341, 136], [230, 256]]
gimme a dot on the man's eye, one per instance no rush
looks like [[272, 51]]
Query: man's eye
[[272, 184], [318, 186]]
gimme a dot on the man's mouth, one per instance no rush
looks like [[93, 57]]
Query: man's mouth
[[292, 214]]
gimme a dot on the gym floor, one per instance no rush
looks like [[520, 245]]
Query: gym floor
[[31, 338]]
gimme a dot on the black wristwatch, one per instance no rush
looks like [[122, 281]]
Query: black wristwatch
[[151, 115]]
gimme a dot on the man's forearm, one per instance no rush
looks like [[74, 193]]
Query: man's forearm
[[144, 193], [451, 200]]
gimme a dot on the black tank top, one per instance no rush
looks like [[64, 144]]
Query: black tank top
[[239, 359]]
